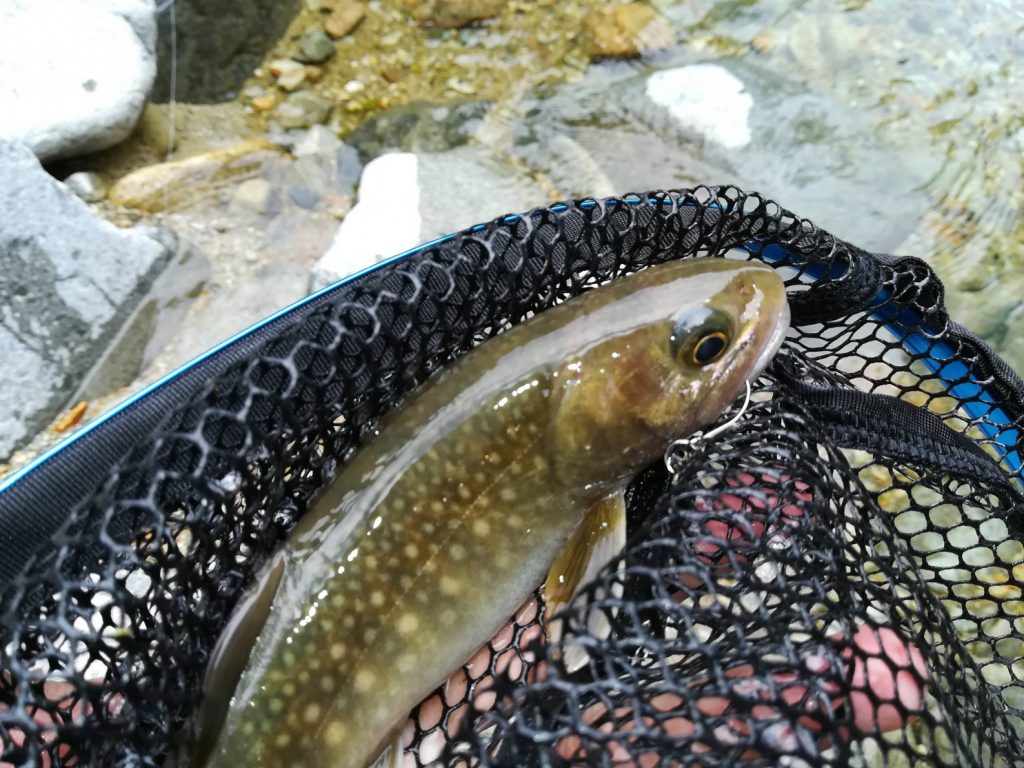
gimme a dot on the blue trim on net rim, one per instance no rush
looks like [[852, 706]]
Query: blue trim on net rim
[[946, 368]]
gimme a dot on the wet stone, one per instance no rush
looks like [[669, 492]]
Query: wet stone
[[419, 127], [625, 30], [313, 46]]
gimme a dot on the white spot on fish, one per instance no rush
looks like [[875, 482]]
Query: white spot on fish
[[334, 734], [312, 713], [450, 586], [408, 624], [364, 680]]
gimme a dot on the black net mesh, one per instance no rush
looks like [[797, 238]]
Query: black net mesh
[[804, 589]]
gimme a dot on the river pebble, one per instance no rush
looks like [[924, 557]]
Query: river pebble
[[313, 46], [345, 16]]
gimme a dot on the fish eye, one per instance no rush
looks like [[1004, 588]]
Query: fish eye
[[701, 336]]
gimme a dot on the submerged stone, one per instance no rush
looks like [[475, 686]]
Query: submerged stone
[[452, 13], [625, 30]]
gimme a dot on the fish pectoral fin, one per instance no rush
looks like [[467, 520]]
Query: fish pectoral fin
[[391, 755], [598, 540], [231, 655]]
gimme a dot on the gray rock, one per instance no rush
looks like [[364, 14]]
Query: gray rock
[[405, 199], [74, 75], [70, 280], [153, 323], [303, 109], [251, 196], [217, 45], [419, 127], [304, 197], [313, 46], [87, 186]]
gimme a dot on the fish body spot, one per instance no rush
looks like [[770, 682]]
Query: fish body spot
[[450, 586], [334, 734]]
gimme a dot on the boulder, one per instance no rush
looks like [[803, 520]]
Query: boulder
[[74, 75], [70, 280], [405, 199]]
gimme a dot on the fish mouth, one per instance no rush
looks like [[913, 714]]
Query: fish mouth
[[775, 337]]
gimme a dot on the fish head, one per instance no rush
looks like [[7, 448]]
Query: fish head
[[715, 347], [683, 340]]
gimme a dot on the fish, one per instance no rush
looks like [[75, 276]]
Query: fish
[[503, 471]]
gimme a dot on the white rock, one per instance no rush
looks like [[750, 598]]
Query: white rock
[[74, 74], [384, 221], [706, 98], [406, 199]]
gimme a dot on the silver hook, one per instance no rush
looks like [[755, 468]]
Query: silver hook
[[673, 449]]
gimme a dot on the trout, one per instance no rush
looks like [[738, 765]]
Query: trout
[[503, 470]]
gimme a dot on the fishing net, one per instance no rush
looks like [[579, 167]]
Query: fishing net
[[834, 580]]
